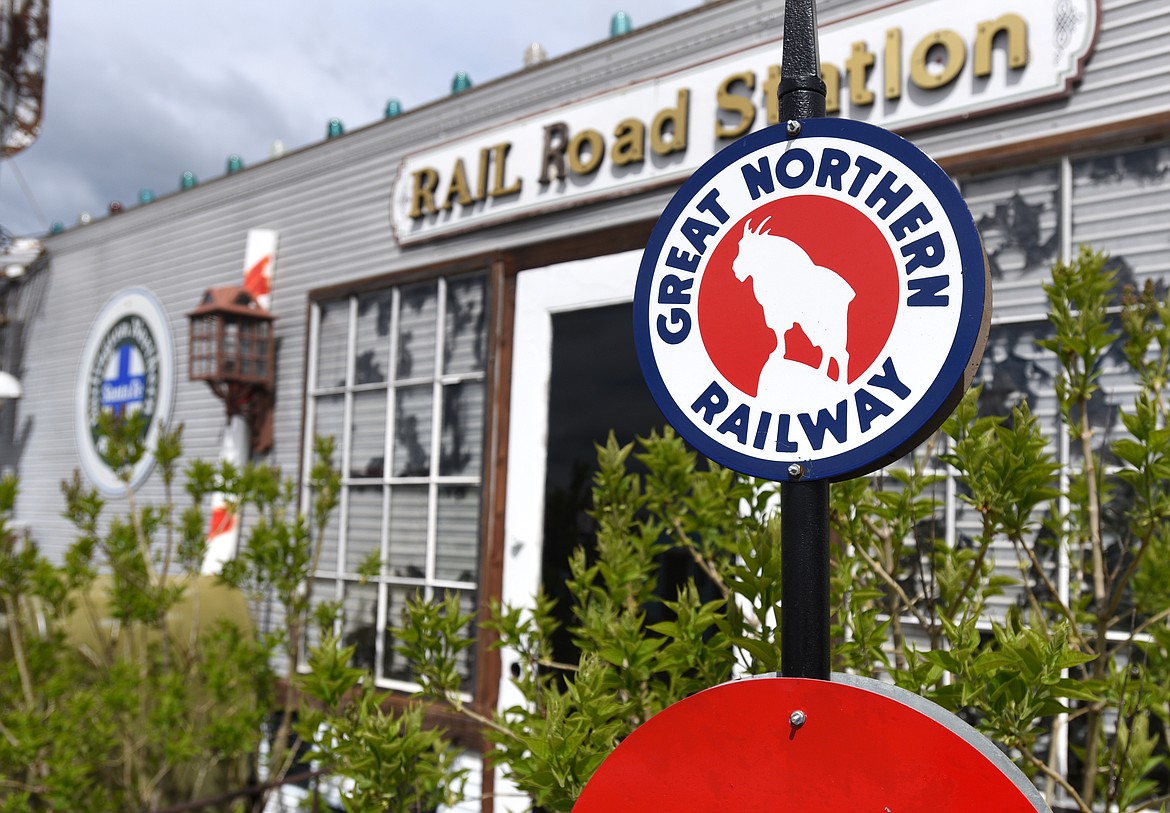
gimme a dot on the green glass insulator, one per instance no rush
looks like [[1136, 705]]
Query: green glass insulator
[[460, 83]]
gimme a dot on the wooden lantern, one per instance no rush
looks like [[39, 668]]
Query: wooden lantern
[[234, 351]]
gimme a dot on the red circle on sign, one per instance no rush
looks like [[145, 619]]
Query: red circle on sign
[[734, 748], [731, 320]]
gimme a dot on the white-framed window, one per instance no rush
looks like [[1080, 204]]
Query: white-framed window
[[397, 377]]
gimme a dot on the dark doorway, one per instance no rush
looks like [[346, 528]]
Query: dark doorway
[[595, 386]]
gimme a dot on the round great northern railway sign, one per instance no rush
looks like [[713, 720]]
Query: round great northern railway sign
[[819, 299]]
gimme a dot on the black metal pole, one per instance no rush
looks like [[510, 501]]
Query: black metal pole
[[804, 579], [804, 505], [801, 91]]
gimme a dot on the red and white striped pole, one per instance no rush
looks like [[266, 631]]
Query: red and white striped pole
[[223, 533]]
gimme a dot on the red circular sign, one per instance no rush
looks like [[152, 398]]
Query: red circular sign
[[863, 746], [834, 235]]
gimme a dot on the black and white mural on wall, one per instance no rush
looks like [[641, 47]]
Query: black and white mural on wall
[[1120, 204], [1018, 216]]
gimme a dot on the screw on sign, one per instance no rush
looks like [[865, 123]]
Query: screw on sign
[[813, 302], [791, 745]]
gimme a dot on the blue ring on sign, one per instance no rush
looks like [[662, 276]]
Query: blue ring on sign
[[884, 448]]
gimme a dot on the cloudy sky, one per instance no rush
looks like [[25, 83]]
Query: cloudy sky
[[138, 91]]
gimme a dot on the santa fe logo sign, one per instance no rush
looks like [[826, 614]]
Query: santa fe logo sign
[[819, 300]]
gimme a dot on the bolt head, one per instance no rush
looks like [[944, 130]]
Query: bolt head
[[792, 127], [795, 470], [797, 718]]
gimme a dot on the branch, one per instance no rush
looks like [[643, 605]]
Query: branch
[[710, 572], [8, 735], [1138, 630], [38, 789], [169, 548], [1055, 776], [977, 567], [16, 633], [1092, 488], [702, 562], [1119, 584], [1151, 804], [482, 719], [1029, 591], [892, 582], [140, 537], [1074, 628]]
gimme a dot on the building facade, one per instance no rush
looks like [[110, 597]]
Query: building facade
[[452, 286]]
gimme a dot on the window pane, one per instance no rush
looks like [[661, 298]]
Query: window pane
[[368, 450], [412, 432], [328, 560], [461, 450], [359, 622], [1122, 206], [329, 419], [363, 533], [417, 326], [372, 351], [394, 665], [465, 334], [1015, 370], [332, 344], [465, 663], [324, 592], [407, 554], [457, 553], [1018, 215]]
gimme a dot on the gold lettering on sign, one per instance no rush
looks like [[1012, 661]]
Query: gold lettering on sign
[[457, 189], [482, 177], [772, 94], [422, 194], [956, 56], [893, 63], [858, 65], [500, 161], [592, 145], [1013, 27], [832, 78], [668, 131], [741, 106], [936, 61], [630, 144]]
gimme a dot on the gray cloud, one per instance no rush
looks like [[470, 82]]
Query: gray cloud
[[138, 92]]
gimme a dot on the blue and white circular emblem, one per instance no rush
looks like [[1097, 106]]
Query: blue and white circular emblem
[[812, 306], [127, 368]]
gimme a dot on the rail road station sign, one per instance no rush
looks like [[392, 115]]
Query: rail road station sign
[[900, 65], [793, 745], [813, 302]]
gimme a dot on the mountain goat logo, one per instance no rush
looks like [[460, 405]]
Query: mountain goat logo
[[793, 290]]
